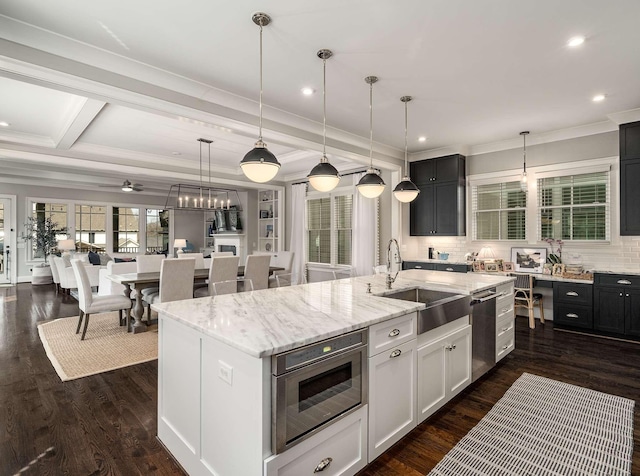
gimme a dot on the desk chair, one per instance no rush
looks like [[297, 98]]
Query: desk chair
[[525, 298]]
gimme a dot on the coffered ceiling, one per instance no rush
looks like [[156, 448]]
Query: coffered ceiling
[[123, 89]]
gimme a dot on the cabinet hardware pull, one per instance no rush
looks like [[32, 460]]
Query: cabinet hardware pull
[[324, 464], [624, 281], [449, 269], [394, 333], [450, 347], [395, 353], [627, 294], [418, 267], [505, 329], [505, 347], [453, 346], [572, 293], [505, 310], [620, 294], [572, 315]]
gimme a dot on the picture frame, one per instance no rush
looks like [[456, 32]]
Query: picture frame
[[558, 269], [264, 213], [529, 260], [476, 266], [507, 266], [491, 267]]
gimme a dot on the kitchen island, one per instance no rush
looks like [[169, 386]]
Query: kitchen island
[[214, 383]]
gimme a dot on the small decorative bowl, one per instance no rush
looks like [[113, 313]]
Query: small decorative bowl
[[444, 256]]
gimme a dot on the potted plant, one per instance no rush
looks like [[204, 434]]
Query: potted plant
[[43, 236]]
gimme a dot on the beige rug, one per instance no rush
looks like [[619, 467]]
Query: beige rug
[[107, 346]]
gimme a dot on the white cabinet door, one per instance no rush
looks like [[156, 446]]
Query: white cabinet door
[[459, 361], [444, 369], [392, 396], [432, 371]]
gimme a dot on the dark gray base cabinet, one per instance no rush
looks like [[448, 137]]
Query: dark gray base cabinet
[[573, 305], [455, 268], [629, 179], [617, 305]]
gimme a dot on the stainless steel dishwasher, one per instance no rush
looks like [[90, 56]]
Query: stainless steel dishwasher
[[483, 332]]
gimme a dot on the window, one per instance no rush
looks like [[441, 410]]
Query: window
[[40, 211], [329, 224], [91, 232], [157, 231], [126, 227], [574, 207], [499, 211]]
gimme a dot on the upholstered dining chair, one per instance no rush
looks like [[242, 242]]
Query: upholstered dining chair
[[149, 264], [231, 286], [222, 269], [288, 279], [54, 272], [525, 298], [199, 257], [90, 303], [176, 282], [257, 270]]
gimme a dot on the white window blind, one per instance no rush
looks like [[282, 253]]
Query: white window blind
[[575, 207], [499, 211], [329, 229]]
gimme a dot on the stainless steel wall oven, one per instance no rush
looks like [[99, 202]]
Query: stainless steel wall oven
[[314, 385]]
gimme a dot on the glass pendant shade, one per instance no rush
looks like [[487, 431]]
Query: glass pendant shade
[[260, 165], [371, 184], [406, 191], [324, 176]]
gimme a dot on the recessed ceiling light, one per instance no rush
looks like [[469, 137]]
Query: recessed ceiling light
[[598, 98], [422, 139], [575, 41], [4, 124], [308, 91]]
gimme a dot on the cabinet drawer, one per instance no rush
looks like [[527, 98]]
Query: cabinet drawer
[[391, 333], [417, 265], [505, 344], [573, 293], [341, 448], [573, 315], [504, 306], [617, 280], [456, 268], [505, 325], [506, 290]]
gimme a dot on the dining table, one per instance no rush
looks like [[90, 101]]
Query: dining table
[[139, 281]]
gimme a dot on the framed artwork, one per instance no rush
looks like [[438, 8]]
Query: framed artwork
[[500, 263], [558, 269], [507, 266], [264, 213], [491, 267], [476, 266], [529, 260]]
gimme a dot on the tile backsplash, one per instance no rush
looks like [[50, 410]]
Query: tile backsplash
[[621, 256]]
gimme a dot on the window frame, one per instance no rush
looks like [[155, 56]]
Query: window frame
[[474, 210], [314, 195]]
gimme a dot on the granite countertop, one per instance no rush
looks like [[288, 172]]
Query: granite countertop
[[270, 321]]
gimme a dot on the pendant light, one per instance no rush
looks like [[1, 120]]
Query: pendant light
[[324, 177], [371, 184], [523, 178], [260, 165], [406, 191]]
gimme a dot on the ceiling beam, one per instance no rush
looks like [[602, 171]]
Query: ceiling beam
[[78, 123]]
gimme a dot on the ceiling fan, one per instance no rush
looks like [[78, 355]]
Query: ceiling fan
[[126, 186]]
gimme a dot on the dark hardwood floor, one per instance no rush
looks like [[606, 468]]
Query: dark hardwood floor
[[106, 424]]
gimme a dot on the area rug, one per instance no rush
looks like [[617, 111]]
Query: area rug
[[107, 346], [545, 427]]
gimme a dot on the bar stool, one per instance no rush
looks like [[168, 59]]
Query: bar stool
[[525, 298]]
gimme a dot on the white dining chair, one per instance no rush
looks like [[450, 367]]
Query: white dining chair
[[199, 257], [149, 264], [90, 303], [176, 282], [54, 272], [231, 286], [257, 270], [222, 269], [288, 279]]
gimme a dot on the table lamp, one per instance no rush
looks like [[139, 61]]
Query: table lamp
[[66, 246], [486, 254], [180, 243]]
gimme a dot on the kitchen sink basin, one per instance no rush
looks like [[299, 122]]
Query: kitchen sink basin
[[442, 307]]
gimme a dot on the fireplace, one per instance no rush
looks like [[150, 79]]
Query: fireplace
[[223, 248], [230, 242]]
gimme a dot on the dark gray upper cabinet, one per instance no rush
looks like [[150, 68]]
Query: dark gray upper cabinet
[[629, 179], [439, 209]]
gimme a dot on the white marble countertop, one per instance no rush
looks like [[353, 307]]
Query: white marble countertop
[[270, 321]]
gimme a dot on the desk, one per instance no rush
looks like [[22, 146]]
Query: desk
[[140, 281]]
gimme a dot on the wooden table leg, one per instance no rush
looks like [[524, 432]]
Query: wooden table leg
[[136, 325]]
